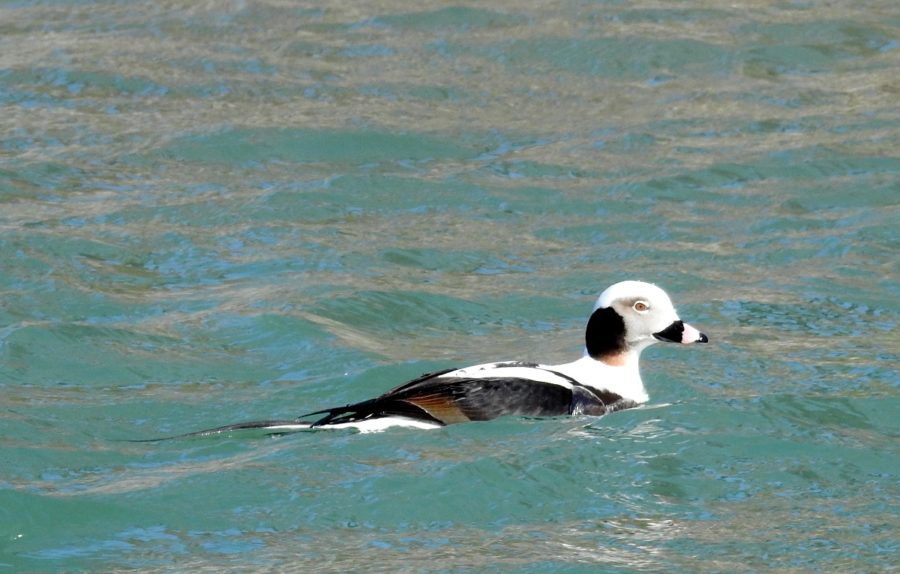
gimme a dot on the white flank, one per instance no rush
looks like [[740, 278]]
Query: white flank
[[536, 374], [383, 423]]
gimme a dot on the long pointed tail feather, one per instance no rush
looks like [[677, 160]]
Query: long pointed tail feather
[[272, 427]]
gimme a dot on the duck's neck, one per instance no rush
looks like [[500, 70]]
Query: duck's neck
[[619, 359], [619, 374]]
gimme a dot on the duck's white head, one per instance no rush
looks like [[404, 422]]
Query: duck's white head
[[629, 317]]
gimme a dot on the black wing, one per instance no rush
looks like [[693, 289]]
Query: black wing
[[448, 400]]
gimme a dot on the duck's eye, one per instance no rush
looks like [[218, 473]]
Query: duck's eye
[[642, 306]]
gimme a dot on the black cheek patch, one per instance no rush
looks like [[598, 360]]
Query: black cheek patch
[[605, 333], [673, 333]]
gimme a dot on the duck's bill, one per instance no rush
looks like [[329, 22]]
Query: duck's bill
[[681, 332]]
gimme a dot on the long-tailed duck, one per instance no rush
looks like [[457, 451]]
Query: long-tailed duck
[[627, 318]]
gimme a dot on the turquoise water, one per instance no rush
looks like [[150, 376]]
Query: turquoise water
[[226, 211]]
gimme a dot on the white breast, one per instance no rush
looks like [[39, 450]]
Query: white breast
[[624, 380]]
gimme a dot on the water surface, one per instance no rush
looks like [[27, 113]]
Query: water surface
[[231, 211]]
